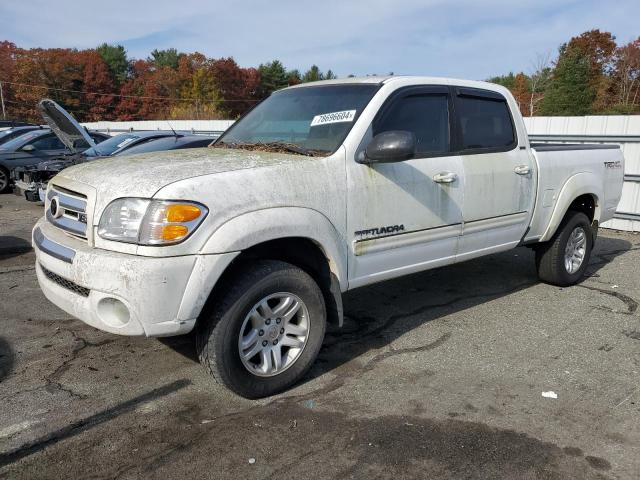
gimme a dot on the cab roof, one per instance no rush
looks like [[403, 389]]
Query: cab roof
[[403, 79]]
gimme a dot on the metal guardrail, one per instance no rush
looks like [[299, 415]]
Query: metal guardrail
[[193, 131]]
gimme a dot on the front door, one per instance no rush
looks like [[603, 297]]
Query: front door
[[406, 216], [498, 171]]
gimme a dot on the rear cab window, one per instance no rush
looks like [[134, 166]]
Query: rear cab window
[[484, 122]]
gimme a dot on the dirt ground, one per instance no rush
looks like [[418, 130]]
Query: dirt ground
[[436, 375]]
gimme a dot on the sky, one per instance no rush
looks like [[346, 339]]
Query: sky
[[456, 38]]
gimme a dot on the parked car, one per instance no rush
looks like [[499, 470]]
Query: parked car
[[322, 188], [31, 181], [39, 145], [14, 132]]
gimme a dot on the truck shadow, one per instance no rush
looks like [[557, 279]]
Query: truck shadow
[[11, 246], [377, 315], [6, 359]]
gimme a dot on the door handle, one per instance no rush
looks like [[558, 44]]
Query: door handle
[[522, 169], [445, 177]]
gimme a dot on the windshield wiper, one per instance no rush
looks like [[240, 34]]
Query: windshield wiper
[[269, 147], [289, 147]]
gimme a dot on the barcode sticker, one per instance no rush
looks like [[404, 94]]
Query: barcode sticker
[[334, 117]]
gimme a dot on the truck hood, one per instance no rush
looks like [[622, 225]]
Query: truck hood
[[66, 128], [144, 174]]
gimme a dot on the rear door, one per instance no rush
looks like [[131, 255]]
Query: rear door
[[406, 216], [499, 173]]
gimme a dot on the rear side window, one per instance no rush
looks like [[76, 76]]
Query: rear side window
[[485, 123], [427, 116]]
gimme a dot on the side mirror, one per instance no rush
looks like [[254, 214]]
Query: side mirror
[[28, 148], [391, 146]]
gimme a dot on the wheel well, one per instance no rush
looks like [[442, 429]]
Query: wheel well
[[301, 252], [585, 204]]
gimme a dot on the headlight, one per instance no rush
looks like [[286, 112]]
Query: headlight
[[150, 222]]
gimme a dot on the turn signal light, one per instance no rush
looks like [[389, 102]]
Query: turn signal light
[[174, 232], [182, 213]]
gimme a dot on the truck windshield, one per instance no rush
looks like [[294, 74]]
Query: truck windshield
[[305, 120]]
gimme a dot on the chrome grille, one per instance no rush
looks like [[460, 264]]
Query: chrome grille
[[64, 283], [67, 210]]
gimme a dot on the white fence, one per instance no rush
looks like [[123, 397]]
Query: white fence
[[623, 130], [618, 129]]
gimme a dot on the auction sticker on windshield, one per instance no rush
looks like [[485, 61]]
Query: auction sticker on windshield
[[334, 117]]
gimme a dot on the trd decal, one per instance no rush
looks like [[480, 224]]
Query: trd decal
[[617, 164], [380, 231]]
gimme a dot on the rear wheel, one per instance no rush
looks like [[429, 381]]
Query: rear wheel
[[563, 260], [4, 180], [265, 332]]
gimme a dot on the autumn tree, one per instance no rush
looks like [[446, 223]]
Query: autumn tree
[[8, 56], [626, 78], [598, 48], [521, 91], [98, 85]]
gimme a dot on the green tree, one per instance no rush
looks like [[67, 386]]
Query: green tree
[[165, 58], [313, 74], [115, 56], [507, 81], [571, 91], [273, 76], [330, 75]]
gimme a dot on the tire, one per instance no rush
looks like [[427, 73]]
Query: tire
[[241, 309], [551, 256], [5, 181]]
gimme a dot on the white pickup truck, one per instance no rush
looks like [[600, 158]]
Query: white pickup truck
[[321, 188]]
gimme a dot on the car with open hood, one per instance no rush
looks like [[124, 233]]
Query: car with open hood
[[31, 181], [63, 138]]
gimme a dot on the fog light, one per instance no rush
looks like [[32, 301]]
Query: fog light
[[113, 312]]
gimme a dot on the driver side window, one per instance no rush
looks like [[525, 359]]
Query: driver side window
[[426, 115]]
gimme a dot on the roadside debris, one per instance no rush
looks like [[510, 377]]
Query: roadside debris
[[252, 461], [550, 394]]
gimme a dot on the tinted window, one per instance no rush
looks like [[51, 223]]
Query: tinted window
[[18, 142], [427, 116], [49, 142], [485, 123]]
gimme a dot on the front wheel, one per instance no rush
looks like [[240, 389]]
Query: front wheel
[[563, 260], [266, 330]]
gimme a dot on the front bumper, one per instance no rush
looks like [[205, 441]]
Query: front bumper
[[120, 293]]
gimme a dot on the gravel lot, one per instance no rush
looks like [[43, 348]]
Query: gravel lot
[[437, 375]]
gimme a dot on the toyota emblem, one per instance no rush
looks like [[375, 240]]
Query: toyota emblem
[[54, 208]]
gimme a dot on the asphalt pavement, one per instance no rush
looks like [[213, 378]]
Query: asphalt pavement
[[436, 375]]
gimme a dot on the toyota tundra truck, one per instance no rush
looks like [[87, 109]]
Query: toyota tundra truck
[[321, 188]]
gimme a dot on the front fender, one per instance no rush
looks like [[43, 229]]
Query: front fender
[[253, 228], [579, 184]]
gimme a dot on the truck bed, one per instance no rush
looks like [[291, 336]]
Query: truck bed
[[598, 168]]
